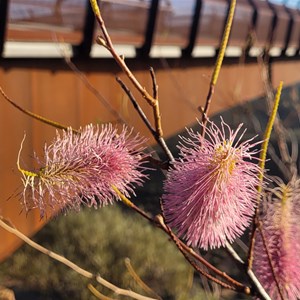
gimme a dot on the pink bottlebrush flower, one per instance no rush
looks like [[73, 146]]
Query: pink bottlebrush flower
[[210, 193], [281, 230], [82, 168]]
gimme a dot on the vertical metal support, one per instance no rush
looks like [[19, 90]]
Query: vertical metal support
[[274, 23], [298, 49], [145, 49], [253, 27], [84, 48], [289, 32], [186, 52], [3, 23], [255, 13]]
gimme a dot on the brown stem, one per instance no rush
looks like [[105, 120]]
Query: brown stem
[[251, 276], [154, 83], [93, 90], [206, 108], [136, 105], [158, 221], [235, 285], [252, 241], [106, 41], [160, 140]]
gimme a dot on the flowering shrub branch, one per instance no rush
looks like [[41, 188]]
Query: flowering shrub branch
[[218, 64], [212, 193], [263, 156], [106, 42]]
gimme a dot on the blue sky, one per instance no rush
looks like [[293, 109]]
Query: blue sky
[[292, 3]]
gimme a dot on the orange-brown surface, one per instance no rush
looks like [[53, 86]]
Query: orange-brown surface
[[52, 90]]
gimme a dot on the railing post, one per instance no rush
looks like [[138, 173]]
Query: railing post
[[84, 48], [3, 21], [186, 52], [145, 49]]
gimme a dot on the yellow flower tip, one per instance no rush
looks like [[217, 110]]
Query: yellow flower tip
[[28, 173], [224, 43], [269, 128], [95, 7], [224, 159], [24, 172]]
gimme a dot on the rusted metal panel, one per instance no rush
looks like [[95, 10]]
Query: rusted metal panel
[[58, 94], [294, 40], [212, 19], [174, 22], [263, 23], [281, 26], [46, 20], [242, 23], [126, 20]]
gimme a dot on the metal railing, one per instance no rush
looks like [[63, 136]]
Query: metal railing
[[190, 27]]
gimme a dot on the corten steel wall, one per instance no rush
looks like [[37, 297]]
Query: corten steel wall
[[49, 88]]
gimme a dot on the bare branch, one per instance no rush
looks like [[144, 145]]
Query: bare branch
[[33, 115], [93, 90], [70, 264], [105, 41], [154, 83], [253, 279], [218, 64], [136, 105]]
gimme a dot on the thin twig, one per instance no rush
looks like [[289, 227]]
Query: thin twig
[[160, 140], [107, 43], [139, 280], [70, 264], [97, 294], [236, 286], [154, 83], [93, 90], [262, 161], [136, 105], [33, 115], [252, 278], [160, 224], [279, 129]]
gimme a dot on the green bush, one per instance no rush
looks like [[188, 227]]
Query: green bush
[[99, 241]]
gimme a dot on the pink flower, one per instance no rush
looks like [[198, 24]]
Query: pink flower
[[210, 193], [82, 168], [280, 225]]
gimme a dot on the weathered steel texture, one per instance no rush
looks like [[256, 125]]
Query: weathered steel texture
[[50, 89], [280, 25], [144, 24], [3, 23], [262, 23]]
